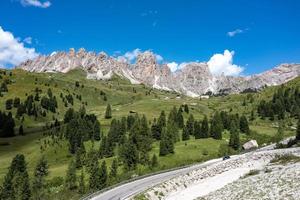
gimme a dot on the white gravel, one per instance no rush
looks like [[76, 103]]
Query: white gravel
[[206, 181], [278, 182]]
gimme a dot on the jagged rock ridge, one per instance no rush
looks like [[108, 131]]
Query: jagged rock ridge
[[193, 80]]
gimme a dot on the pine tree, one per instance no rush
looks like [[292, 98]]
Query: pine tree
[[9, 104], [204, 128], [94, 176], [77, 84], [145, 141], [172, 118], [216, 127], [69, 115], [225, 118], [144, 158], [17, 102], [186, 108], [298, 130], [155, 130], [166, 145], [105, 98], [114, 131], [36, 97], [75, 133], [16, 182], [173, 131], [21, 178], [39, 182], [20, 110], [190, 125], [154, 161], [162, 120], [7, 191], [244, 127], [8, 124], [179, 118], [129, 154], [103, 176], [102, 148], [110, 144], [81, 183], [197, 130], [79, 157], [82, 111], [71, 176], [163, 145], [130, 121], [185, 133], [96, 130], [21, 131], [4, 87], [123, 125], [49, 92], [91, 156], [234, 141], [114, 169], [108, 112], [25, 187]]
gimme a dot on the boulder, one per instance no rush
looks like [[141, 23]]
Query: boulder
[[252, 144]]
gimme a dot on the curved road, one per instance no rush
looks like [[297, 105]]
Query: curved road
[[124, 191]]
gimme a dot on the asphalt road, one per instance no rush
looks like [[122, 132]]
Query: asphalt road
[[135, 187]]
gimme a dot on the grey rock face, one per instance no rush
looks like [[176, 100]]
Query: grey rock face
[[193, 80]]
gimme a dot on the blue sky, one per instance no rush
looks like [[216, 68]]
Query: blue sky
[[262, 33]]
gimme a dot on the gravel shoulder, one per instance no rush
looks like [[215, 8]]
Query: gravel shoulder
[[207, 182], [275, 181]]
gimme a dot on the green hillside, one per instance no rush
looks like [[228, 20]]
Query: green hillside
[[42, 138]]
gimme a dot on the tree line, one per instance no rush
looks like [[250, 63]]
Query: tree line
[[286, 100]]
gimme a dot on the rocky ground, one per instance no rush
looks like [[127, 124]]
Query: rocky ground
[[276, 181], [223, 180]]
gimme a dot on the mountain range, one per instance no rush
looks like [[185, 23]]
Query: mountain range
[[194, 79]]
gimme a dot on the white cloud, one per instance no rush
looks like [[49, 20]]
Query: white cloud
[[233, 33], [174, 66], [159, 58], [130, 56], [12, 51], [222, 63], [36, 3], [53, 53], [28, 40]]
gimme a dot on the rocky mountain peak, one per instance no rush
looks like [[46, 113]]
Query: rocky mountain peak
[[165, 70], [146, 67], [193, 79], [72, 52], [147, 58]]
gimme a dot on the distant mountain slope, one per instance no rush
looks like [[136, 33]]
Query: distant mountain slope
[[193, 80]]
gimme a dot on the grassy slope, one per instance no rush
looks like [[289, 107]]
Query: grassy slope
[[119, 93], [122, 98]]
